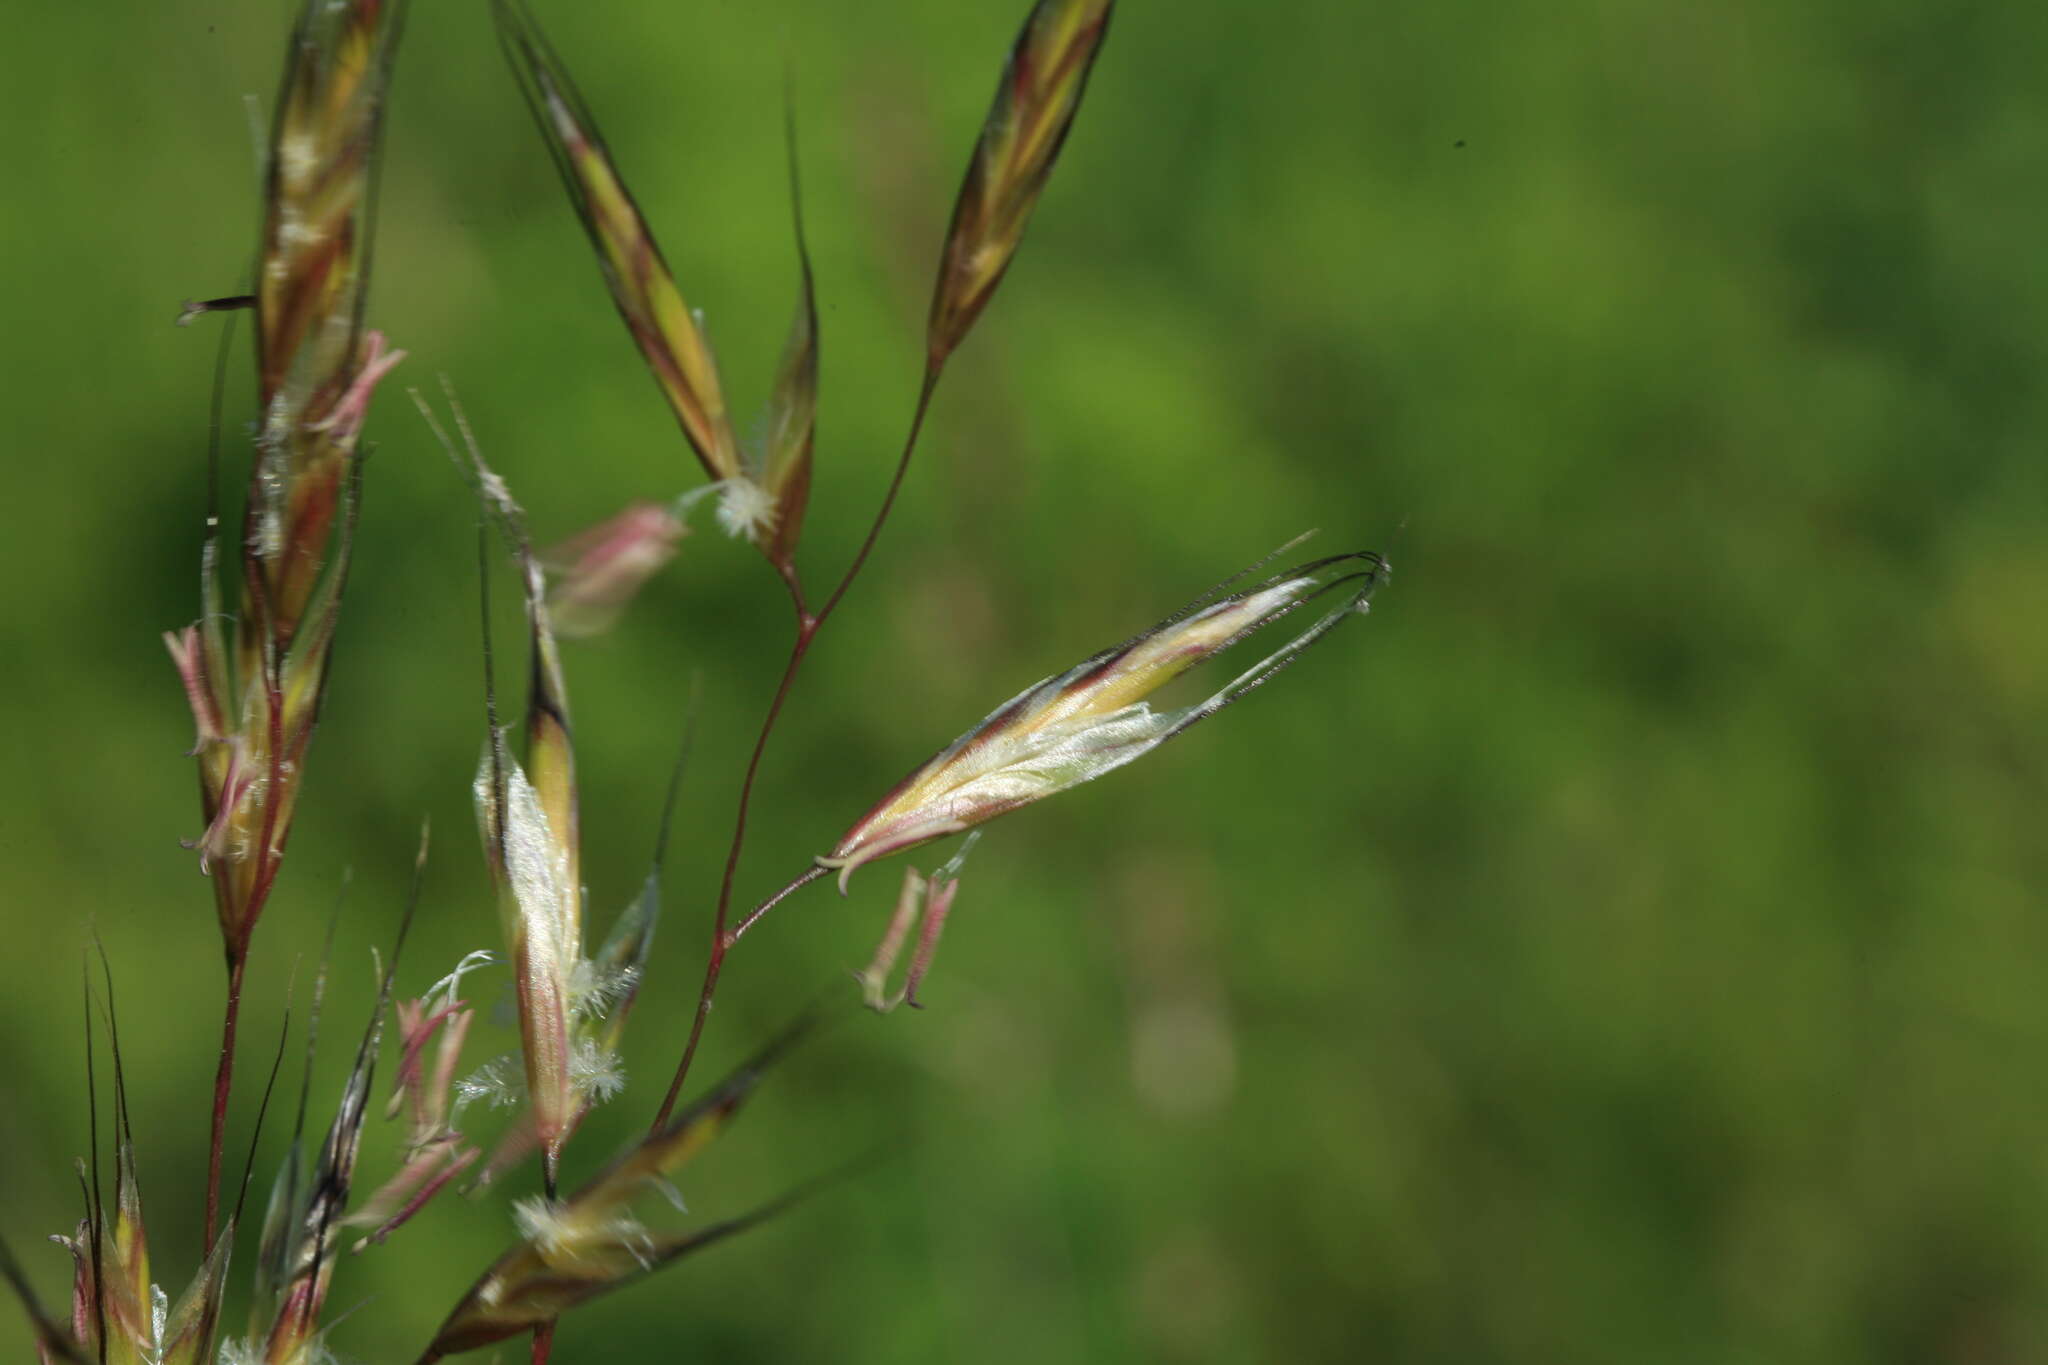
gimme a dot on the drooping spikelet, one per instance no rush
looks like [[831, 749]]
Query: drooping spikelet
[[1080, 724], [597, 571]]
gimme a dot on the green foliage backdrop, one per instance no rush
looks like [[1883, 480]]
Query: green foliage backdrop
[[1627, 945]]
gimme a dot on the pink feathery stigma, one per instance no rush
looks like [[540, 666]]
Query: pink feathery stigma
[[346, 419]]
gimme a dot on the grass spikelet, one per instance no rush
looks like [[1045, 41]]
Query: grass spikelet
[[667, 332], [119, 1314], [255, 681], [255, 697], [315, 365], [190, 1327], [53, 1343], [793, 407], [597, 571], [1077, 725], [575, 1249], [534, 900], [433, 1152], [528, 819], [114, 1306], [1035, 103], [294, 1293]]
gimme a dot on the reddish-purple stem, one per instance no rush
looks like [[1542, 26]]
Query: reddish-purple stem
[[792, 580], [860, 558], [807, 631], [223, 1081], [259, 893]]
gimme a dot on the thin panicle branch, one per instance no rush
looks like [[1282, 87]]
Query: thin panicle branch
[[799, 882]]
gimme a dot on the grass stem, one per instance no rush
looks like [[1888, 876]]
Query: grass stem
[[223, 1082], [808, 627]]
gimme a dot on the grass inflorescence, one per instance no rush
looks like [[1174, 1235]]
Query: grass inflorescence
[[255, 667]]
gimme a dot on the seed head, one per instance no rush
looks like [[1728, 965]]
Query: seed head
[[1035, 103], [1080, 724], [669, 334], [574, 1249]]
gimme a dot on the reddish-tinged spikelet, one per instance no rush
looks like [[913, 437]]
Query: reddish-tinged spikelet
[[762, 498], [597, 572], [574, 1249], [53, 1343], [190, 1328], [124, 1264], [792, 426], [793, 408], [255, 688], [295, 1325], [532, 862], [119, 1315], [528, 819], [303, 1226], [602, 990], [312, 357], [433, 1152], [166, 1335], [536, 905], [1080, 724], [1033, 111], [668, 334]]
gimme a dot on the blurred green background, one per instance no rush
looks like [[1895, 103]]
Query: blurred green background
[[1626, 945]]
